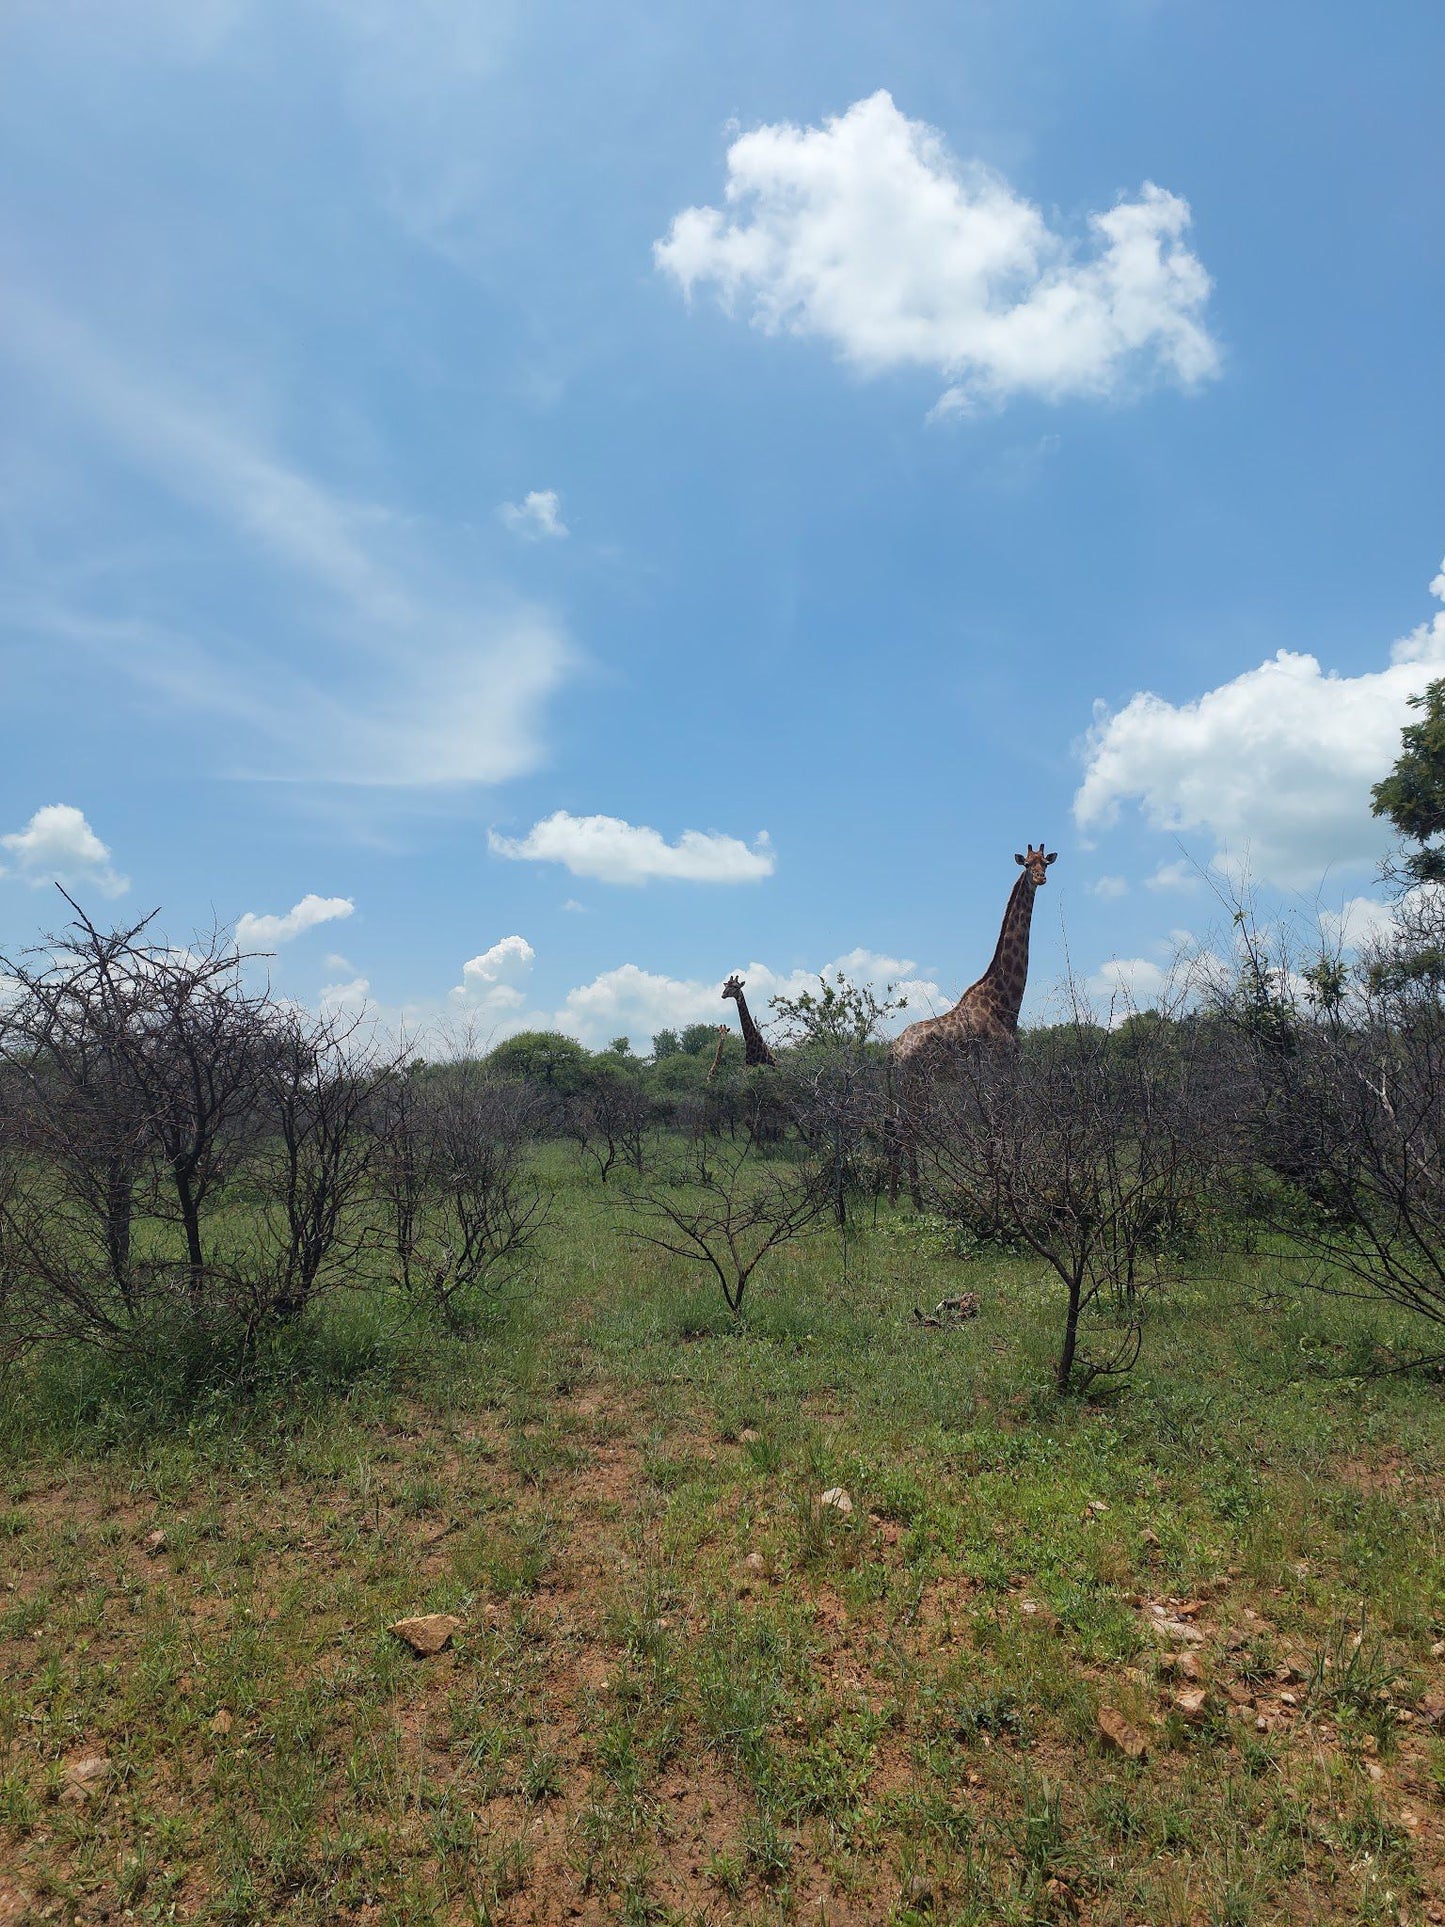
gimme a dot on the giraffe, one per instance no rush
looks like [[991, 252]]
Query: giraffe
[[723, 1034], [755, 1046], [986, 1013]]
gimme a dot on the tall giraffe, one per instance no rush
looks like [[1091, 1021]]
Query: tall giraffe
[[987, 1012], [755, 1045], [723, 1034]]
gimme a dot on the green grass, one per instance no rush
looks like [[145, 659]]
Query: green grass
[[685, 1691]]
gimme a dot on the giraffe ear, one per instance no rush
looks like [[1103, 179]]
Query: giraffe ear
[[1053, 857], [1017, 857]]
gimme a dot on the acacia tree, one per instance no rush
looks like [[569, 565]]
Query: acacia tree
[[834, 1074], [1348, 1109], [1092, 1149], [141, 1080], [137, 1064], [75, 1115], [1412, 796], [607, 1119], [719, 1206], [320, 1096], [461, 1204]]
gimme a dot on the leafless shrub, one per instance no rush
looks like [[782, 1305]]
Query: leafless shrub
[[1091, 1148], [720, 1206], [134, 1068], [607, 1120], [460, 1201], [1349, 1107], [321, 1090], [148, 1087]]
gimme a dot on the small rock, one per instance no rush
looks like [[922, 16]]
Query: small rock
[[222, 1724], [919, 1893], [1150, 1537], [1181, 1665], [1261, 1724], [1375, 1771], [1437, 1651], [428, 1633], [1170, 1630], [1191, 1705], [1119, 1733], [1432, 1709], [85, 1777], [838, 1497], [1095, 1507], [154, 1542], [748, 1436], [755, 1562]]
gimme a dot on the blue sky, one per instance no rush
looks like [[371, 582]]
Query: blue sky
[[835, 446]]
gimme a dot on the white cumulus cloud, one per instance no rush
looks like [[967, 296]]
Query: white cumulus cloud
[[1126, 984], [612, 851], [58, 845], [1274, 766], [255, 931], [537, 516], [641, 1002], [354, 996], [490, 978], [510, 953], [868, 234]]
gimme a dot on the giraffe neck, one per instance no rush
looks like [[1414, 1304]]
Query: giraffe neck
[[1003, 982], [753, 1039]]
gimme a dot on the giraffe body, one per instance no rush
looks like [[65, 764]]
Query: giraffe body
[[987, 1012], [755, 1045]]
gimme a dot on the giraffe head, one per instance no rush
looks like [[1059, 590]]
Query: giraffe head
[[1036, 863], [733, 987]]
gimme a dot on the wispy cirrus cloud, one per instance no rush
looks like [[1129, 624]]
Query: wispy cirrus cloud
[[868, 234], [401, 674], [613, 851]]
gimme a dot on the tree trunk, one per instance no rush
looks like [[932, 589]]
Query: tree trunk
[[1071, 1337]]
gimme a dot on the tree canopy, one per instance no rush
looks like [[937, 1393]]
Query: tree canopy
[[1412, 796]]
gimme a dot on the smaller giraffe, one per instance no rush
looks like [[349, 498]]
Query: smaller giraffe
[[723, 1034], [755, 1045]]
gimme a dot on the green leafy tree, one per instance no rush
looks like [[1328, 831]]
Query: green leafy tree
[[1412, 796], [699, 1040], [545, 1057], [665, 1044], [838, 1015]]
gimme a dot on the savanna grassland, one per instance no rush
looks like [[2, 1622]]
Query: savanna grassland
[[1172, 1656]]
